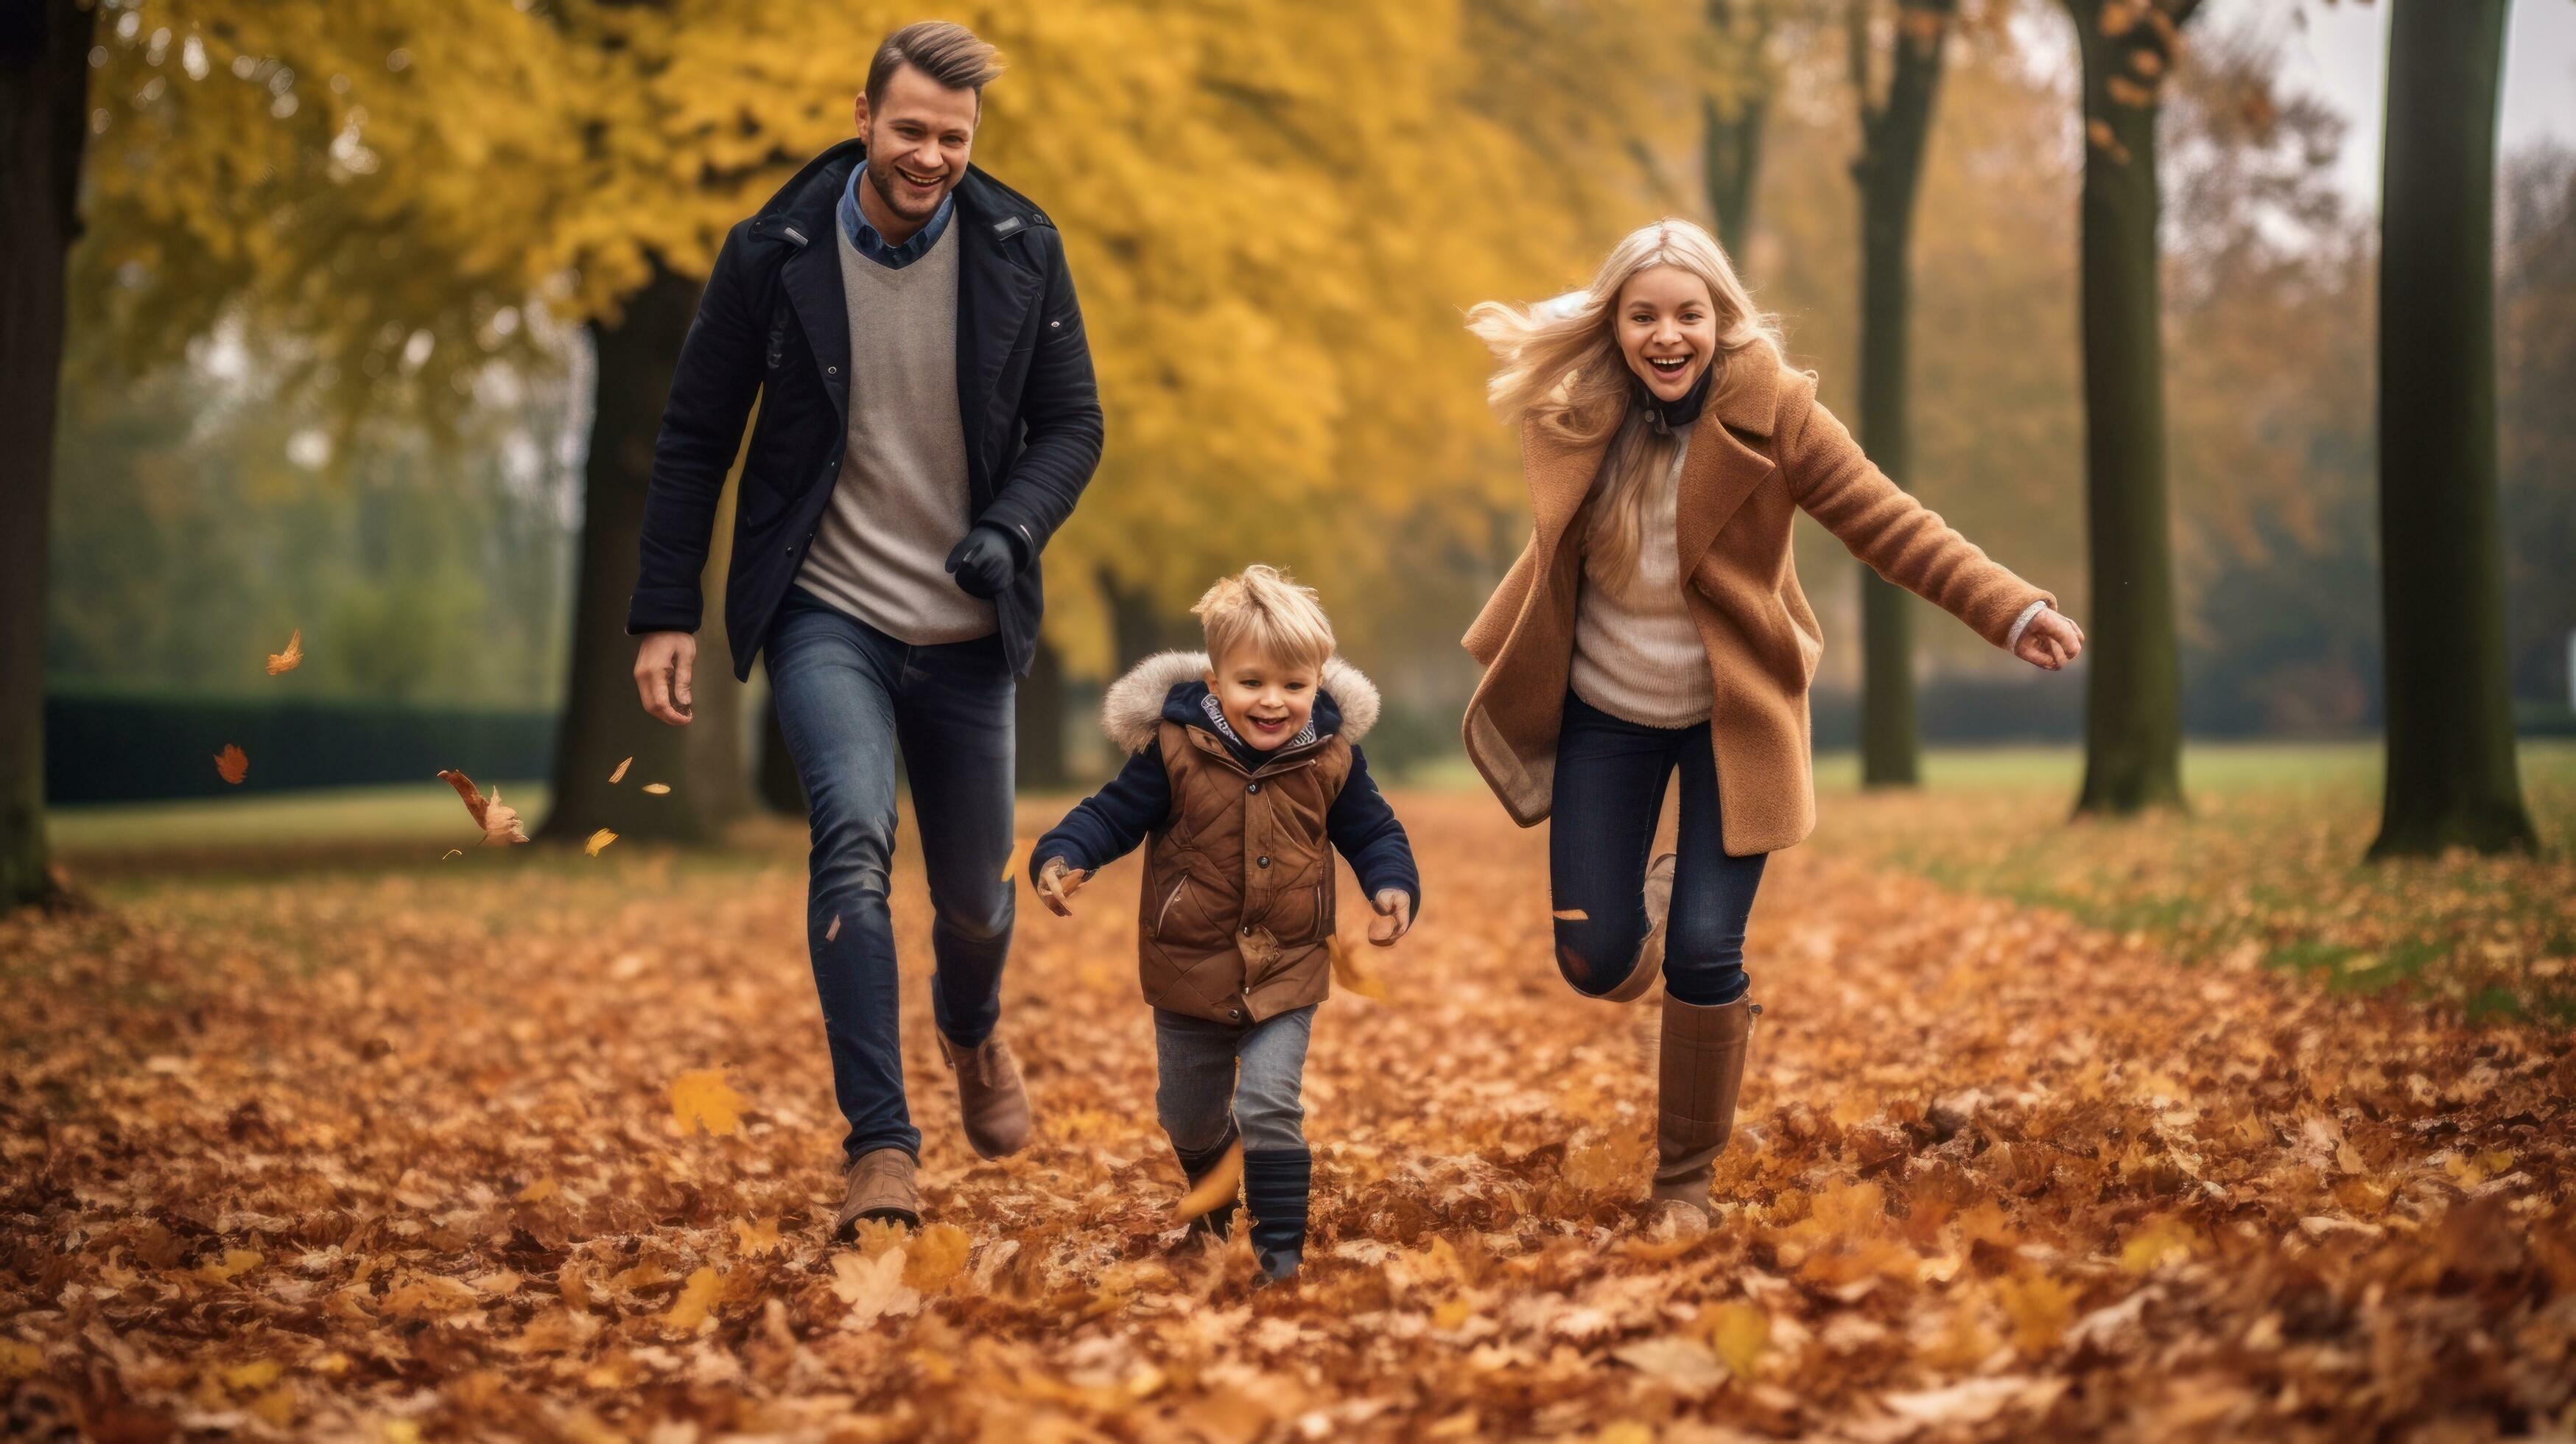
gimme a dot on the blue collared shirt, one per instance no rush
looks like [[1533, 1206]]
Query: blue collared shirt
[[865, 240]]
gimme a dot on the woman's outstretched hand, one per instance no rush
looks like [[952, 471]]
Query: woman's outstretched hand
[[1394, 916], [1058, 880], [2051, 640]]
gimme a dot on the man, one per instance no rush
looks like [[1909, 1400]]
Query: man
[[928, 418]]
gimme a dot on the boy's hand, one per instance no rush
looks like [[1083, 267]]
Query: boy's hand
[[1395, 916], [1058, 880]]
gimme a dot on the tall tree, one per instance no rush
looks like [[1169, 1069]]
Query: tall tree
[[44, 119], [1895, 127], [2133, 681], [1732, 112], [2451, 775]]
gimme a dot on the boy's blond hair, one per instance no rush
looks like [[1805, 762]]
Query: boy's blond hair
[[1261, 608]]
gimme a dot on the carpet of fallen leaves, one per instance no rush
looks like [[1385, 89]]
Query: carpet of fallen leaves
[[2267, 869], [536, 1145]]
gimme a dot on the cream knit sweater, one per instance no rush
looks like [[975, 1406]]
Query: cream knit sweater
[[1637, 653]]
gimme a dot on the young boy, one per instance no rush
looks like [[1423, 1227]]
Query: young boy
[[1244, 764]]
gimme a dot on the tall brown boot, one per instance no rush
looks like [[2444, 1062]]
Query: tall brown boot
[[1697, 1080]]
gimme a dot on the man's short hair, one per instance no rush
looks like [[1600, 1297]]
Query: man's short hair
[[947, 52], [1260, 608]]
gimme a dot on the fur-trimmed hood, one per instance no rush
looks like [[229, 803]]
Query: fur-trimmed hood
[[1133, 708]]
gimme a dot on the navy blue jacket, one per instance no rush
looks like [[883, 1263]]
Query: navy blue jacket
[[774, 323], [1110, 823]]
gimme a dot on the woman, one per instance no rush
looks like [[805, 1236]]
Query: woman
[[1654, 622]]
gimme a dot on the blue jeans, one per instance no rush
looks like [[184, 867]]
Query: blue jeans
[[1610, 777], [849, 699], [1198, 1083]]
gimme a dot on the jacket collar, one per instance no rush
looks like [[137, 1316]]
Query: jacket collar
[[1346, 702], [1717, 474]]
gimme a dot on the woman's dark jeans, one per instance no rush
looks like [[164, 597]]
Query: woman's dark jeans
[[1610, 777]]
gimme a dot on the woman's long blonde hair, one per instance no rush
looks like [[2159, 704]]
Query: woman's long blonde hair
[[1562, 369]]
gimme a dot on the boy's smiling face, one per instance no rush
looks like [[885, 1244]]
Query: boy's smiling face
[[1264, 700]]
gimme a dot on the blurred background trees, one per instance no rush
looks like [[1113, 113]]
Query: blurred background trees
[[369, 324]]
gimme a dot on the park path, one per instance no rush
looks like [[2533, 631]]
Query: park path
[[438, 1154]]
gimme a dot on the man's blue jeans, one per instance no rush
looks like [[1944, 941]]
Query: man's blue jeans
[[850, 698]]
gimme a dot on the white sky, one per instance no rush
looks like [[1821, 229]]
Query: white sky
[[2341, 53]]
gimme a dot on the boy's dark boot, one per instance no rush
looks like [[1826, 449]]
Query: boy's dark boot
[[1275, 1181], [1698, 1077], [1196, 1164]]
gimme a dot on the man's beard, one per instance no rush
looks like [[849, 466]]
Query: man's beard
[[883, 180]]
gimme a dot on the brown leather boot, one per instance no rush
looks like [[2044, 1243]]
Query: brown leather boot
[[880, 1186], [1697, 1080], [1650, 953], [990, 1101]]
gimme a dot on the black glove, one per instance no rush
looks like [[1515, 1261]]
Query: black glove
[[984, 562]]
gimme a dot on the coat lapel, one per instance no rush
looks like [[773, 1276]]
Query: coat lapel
[[1721, 471], [812, 277], [993, 303]]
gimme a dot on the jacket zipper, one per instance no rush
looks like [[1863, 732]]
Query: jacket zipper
[[1167, 905]]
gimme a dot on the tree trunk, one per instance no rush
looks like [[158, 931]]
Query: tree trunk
[[1890, 175], [2451, 776], [2133, 679], [1040, 723], [44, 95], [602, 719], [1731, 120]]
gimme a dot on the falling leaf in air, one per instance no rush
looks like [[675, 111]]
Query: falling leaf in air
[[1215, 1191], [291, 658], [232, 764], [1347, 972], [500, 823], [834, 930], [658, 789], [619, 775], [702, 1099], [1018, 857], [598, 840], [451, 852], [1571, 915]]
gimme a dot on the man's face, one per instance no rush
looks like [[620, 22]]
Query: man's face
[[919, 137]]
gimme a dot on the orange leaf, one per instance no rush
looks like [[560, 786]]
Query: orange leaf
[[702, 1099], [658, 789], [619, 775], [291, 658], [1217, 1189], [232, 764], [500, 823], [598, 840], [1348, 973]]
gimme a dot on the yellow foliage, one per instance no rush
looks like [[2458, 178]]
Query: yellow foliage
[[702, 1099]]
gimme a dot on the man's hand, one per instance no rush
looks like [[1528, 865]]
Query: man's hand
[[2051, 640], [1395, 916], [984, 561], [665, 663], [1058, 880]]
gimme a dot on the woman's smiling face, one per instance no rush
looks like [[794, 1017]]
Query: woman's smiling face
[[1667, 329]]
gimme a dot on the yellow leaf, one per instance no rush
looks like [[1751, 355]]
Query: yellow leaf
[[598, 840], [277, 1407], [701, 1098], [232, 764], [1017, 858], [695, 1307], [658, 789], [1571, 915], [936, 1256], [19, 1360], [291, 658], [758, 1238], [619, 775], [1741, 1331], [2040, 1309], [2159, 1240], [1217, 1189], [255, 1375], [1348, 973], [538, 1192]]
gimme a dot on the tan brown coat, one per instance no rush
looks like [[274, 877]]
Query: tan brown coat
[[1762, 449]]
